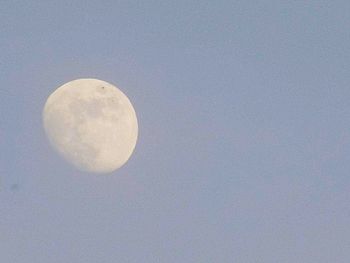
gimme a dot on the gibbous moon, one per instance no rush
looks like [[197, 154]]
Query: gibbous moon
[[92, 124]]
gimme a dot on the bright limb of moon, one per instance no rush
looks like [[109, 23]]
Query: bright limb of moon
[[92, 124]]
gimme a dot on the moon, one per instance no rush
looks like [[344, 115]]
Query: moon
[[92, 124]]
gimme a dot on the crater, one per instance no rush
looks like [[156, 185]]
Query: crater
[[101, 89]]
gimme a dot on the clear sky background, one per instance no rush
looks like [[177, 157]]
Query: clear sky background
[[244, 140]]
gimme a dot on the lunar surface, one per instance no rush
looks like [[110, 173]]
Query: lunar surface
[[92, 124]]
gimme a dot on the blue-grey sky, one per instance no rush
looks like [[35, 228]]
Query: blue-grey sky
[[244, 140]]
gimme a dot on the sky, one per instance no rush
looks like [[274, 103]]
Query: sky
[[244, 132]]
